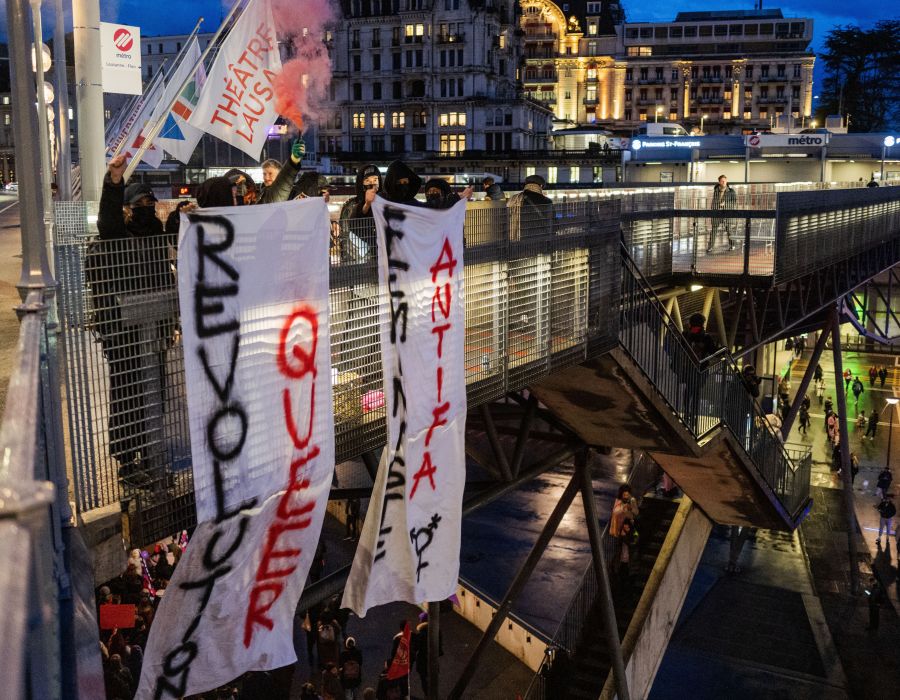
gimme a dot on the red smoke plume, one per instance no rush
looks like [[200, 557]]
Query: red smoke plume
[[302, 85]]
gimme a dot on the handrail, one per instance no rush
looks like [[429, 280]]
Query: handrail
[[704, 394], [568, 632], [25, 536]]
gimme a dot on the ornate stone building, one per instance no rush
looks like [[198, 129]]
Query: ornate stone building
[[712, 71]]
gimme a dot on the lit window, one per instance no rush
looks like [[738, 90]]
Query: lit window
[[6, 99], [591, 73], [574, 174], [452, 119], [551, 174], [359, 120], [453, 143], [377, 120], [748, 116], [503, 41], [398, 120], [529, 170]]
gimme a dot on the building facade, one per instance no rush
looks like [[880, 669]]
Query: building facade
[[718, 72], [7, 143], [429, 76]]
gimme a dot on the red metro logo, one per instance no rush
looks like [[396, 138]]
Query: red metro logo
[[123, 40]]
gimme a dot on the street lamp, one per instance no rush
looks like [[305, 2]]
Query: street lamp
[[812, 124], [892, 407], [886, 144], [658, 112]]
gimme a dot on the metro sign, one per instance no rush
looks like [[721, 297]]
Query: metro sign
[[123, 39]]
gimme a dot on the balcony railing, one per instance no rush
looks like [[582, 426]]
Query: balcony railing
[[457, 38]]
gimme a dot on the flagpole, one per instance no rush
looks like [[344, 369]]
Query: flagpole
[[154, 132], [175, 66], [137, 109]]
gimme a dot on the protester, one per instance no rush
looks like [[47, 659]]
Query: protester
[[861, 422], [700, 342], [311, 185], [280, 188], [848, 377], [784, 388], [270, 170], [723, 197], [492, 190], [530, 212], [331, 682], [439, 195], [886, 510], [368, 183], [216, 192], [401, 184], [328, 640], [751, 380], [872, 182], [131, 258], [833, 427], [173, 221], [624, 508]]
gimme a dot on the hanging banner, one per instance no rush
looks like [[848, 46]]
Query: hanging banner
[[120, 50], [253, 286], [238, 103], [141, 125], [409, 549]]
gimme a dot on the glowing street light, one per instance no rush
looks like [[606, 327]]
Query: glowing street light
[[658, 112], [888, 142]]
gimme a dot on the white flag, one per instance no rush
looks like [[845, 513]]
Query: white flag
[[409, 549], [253, 284], [177, 136], [237, 104], [136, 133]]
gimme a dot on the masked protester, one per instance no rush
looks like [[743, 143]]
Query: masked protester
[[216, 192], [131, 259], [438, 194], [401, 184], [357, 227], [311, 185]]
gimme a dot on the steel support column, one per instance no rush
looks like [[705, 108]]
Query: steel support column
[[525, 428], [515, 588], [847, 477], [807, 378], [601, 571], [491, 431], [434, 651]]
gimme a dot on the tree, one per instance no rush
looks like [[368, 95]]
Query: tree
[[861, 76]]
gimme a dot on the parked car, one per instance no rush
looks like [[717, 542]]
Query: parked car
[[12, 187]]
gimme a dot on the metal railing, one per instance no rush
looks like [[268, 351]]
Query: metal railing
[[706, 394], [570, 632], [30, 631], [541, 290]]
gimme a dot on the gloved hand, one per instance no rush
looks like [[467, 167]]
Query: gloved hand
[[298, 150]]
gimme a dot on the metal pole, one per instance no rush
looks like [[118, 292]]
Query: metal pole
[[887, 461], [522, 439], [601, 571], [35, 268], [43, 128], [882, 162], [89, 97], [122, 136], [154, 131], [847, 477], [807, 378], [434, 651], [491, 430], [516, 587], [64, 164]]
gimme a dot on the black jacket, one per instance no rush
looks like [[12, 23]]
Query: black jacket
[[723, 198], [280, 189], [352, 208], [531, 215], [394, 191], [495, 193]]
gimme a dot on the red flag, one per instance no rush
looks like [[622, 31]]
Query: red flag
[[400, 665]]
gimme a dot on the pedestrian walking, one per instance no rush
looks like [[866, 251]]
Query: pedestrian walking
[[723, 197], [885, 477], [804, 419], [873, 375], [351, 668], [872, 428], [854, 467], [886, 510], [861, 422], [833, 427], [882, 375], [848, 377], [818, 374], [820, 392], [806, 403], [784, 388], [857, 389], [875, 594], [829, 409]]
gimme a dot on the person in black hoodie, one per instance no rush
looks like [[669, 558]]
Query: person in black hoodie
[[401, 184], [368, 183], [492, 190], [438, 194], [132, 256], [530, 211]]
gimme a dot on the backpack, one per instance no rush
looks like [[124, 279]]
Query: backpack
[[350, 670], [326, 633]]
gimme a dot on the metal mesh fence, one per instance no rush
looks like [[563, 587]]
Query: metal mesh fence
[[541, 287], [817, 229]]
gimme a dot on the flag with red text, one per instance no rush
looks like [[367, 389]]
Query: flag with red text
[[409, 549], [253, 288], [400, 663], [237, 103]]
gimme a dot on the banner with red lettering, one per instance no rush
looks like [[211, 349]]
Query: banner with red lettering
[[237, 104], [409, 549], [253, 287]]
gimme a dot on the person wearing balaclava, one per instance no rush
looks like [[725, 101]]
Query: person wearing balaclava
[[401, 184], [368, 183], [130, 259], [439, 195]]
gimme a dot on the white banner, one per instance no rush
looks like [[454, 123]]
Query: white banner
[[141, 125], [409, 549], [253, 285], [120, 49], [238, 104], [177, 136]]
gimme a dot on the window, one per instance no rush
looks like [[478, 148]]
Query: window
[[398, 120], [357, 63], [376, 61], [397, 90], [591, 73], [748, 115], [420, 119], [659, 75], [6, 119], [592, 48], [736, 29], [675, 32], [780, 70], [453, 143], [592, 29], [529, 170], [354, 39], [395, 36], [378, 144], [642, 115], [359, 120], [797, 70], [161, 48], [502, 41], [6, 99], [414, 33], [690, 31], [452, 119], [357, 91], [628, 74], [178, 46], [640, 51], [376, 37], [764, 71], [377, 120], [644, 73], [376, 91], [358, 144], [396, 60], [149, 49], [674, 74], [749, 72], [552, 174]]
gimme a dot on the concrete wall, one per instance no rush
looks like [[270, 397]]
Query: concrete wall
[[657, 612]]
